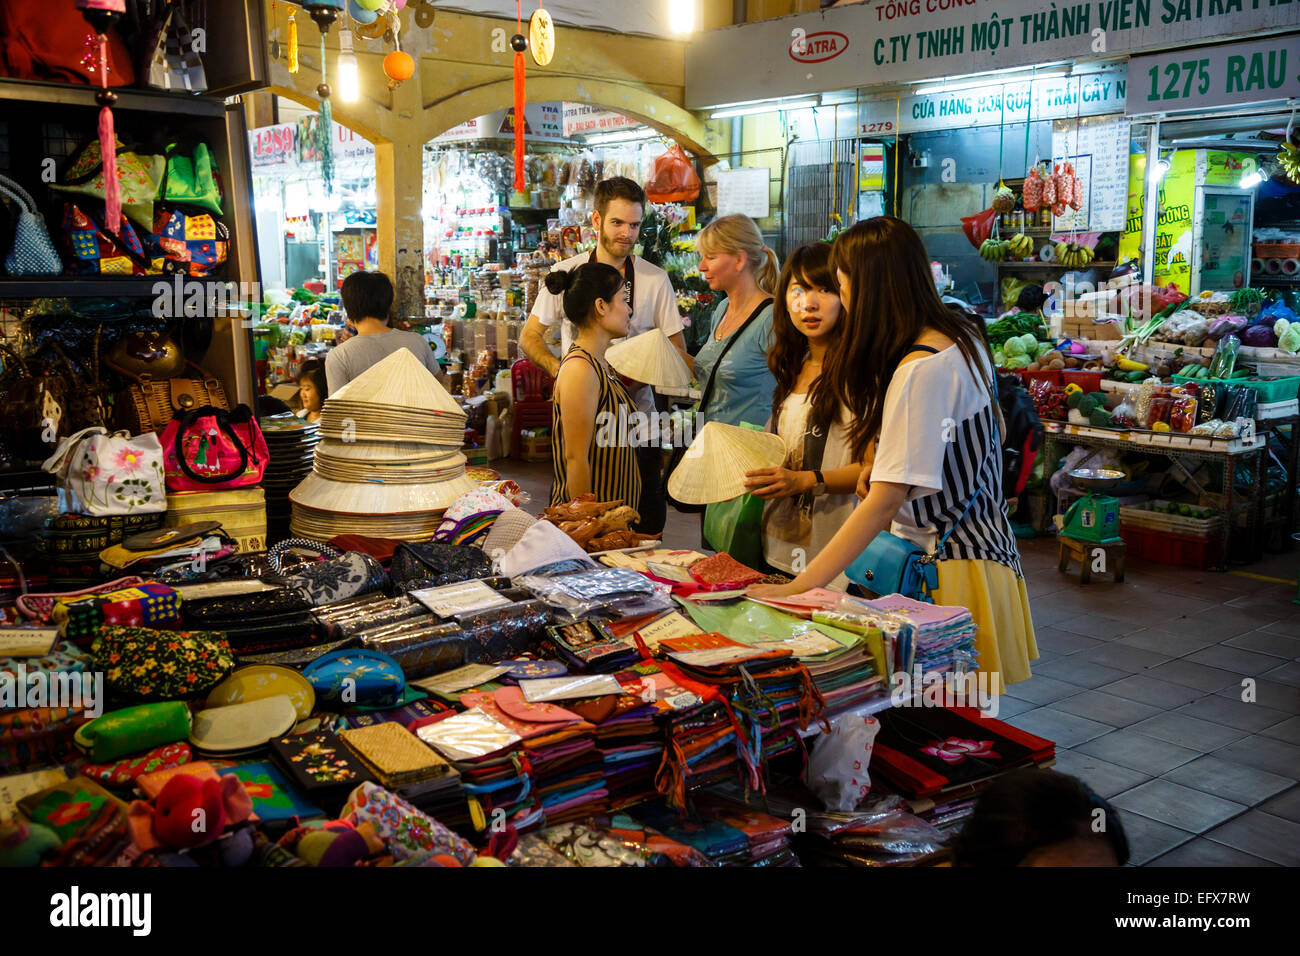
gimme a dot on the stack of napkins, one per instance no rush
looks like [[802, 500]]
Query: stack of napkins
[[941, 635]]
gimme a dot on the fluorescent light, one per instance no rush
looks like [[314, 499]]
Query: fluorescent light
[[971, 85], [348, 69], [1158, 170], [681, 16], [1251, 179], [768, 107]]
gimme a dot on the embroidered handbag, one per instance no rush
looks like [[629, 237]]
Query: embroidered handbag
[[209, 449], [145, 664], [139, 175], [149, 404], [144, 605], [191, 242], [431, 563], [97, 250], [102, 474], [175, 64], [33, 251], [340, 578]]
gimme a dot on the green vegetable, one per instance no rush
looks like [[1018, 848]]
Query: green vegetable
[[999, 358], [1014, 349], [1030, 340]]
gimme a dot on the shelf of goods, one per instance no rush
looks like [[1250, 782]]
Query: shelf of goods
[[1226, 453], [1034, 264], [58, 119]]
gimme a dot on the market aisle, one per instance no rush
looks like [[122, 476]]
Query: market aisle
[[1140, 686]]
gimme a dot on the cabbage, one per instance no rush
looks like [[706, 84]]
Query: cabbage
[[1030, 340], [1014, 348], [1290, 339], [1259, 336]]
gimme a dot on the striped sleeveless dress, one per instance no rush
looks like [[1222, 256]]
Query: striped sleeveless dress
[[613, 465]]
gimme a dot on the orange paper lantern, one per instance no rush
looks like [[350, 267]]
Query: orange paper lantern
[[399, 66]]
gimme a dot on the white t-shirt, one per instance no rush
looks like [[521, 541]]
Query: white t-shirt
[[654, 306], [939, 435]]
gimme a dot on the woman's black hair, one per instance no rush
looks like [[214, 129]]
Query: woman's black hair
[[1028, 810], [313, 369], [581, 287], [1031, 298]]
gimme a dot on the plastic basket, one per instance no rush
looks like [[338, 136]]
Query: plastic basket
[[1143, 516], [1165, 548], [1043, 374], [1088, 380], [1273, 390]]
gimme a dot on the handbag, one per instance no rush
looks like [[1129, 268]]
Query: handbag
[[431, 563], [679, 450], [175, 64], [211, 449], [343, 577], [96, 250], [140, 177], [34, 407], [192, 177], [102, 474], [32, 253], [894, 565], [88, 401], [144, 664], [149, 404], [736, 527]]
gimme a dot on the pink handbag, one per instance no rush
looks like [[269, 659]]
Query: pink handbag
[[211, 449]]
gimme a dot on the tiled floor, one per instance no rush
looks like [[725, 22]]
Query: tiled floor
[[1176, 695]]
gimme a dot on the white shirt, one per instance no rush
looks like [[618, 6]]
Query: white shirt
[[655, 306]]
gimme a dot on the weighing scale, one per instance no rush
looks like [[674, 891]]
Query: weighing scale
[[1094, 517]]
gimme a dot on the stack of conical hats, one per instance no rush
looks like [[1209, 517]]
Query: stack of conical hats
[[389, 462]]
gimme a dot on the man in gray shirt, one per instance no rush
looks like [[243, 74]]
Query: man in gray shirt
[[367, 300]]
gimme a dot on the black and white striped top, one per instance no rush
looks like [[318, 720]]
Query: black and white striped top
[[939, 436]]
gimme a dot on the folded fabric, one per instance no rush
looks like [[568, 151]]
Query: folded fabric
[[66, 658], [122, 773], [135, 729], [407, 832], [143, 663], [587, 847]]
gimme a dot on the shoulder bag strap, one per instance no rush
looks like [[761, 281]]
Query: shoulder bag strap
[[222, 418], [731, 340]]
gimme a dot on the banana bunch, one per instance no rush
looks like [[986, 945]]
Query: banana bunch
[[1020, 246], [994, 250], [1289, 160], [1071, 254]]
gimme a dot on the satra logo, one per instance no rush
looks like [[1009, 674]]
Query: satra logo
[[817, 47]]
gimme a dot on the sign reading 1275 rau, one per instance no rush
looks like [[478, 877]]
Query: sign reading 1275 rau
[[1236, 74], [887, 42]]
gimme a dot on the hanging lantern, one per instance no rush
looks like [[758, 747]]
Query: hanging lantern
[[362, 15], [324, 12], [399, 66], [292, 54], [101, 14]]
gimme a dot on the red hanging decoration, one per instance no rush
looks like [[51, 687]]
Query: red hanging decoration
[[108, 144], [519, 43]]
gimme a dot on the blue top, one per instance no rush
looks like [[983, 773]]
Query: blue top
[[742, 389]]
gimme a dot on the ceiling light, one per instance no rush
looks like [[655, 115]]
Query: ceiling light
[[349, 71], [769, 107], [1251, 179], [976, 84], [1158, 170], [681, 16]]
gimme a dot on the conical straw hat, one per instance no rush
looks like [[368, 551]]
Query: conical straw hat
[[400, 380], [378, 498], [713, 468], [650, 358], [386, 452]]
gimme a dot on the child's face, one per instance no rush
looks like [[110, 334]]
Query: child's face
[[308, 395]]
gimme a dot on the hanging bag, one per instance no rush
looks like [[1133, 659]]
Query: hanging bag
[[32, 253], [175, 65], [894, 565], [149, 404], [736, 527], [100, 474], [211, 449], [35, 407]]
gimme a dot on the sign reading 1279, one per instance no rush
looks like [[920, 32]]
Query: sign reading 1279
[[1235, 74]]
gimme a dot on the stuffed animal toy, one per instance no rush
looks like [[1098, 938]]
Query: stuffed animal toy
[[192, 812]]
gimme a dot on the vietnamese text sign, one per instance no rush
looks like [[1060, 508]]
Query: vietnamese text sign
[[1098, 147], [746, 191], [582, 118], [899, 41], [1232, 75], [273, 145]]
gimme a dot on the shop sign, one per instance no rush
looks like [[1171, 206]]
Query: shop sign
[[349, 147], [582, 118], [901, 41], [542, 122], [273, 145], [1233, 75], [1177, 197], [1092, 94]]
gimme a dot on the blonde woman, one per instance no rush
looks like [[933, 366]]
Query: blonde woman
[[731, 367]]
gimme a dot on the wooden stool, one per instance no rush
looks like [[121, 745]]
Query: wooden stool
[[1086, 551]]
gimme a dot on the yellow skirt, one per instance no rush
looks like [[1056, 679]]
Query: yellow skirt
[[999, 603]]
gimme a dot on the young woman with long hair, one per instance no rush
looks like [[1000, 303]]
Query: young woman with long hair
[[811, 495], [591, 452], [930, 405]]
